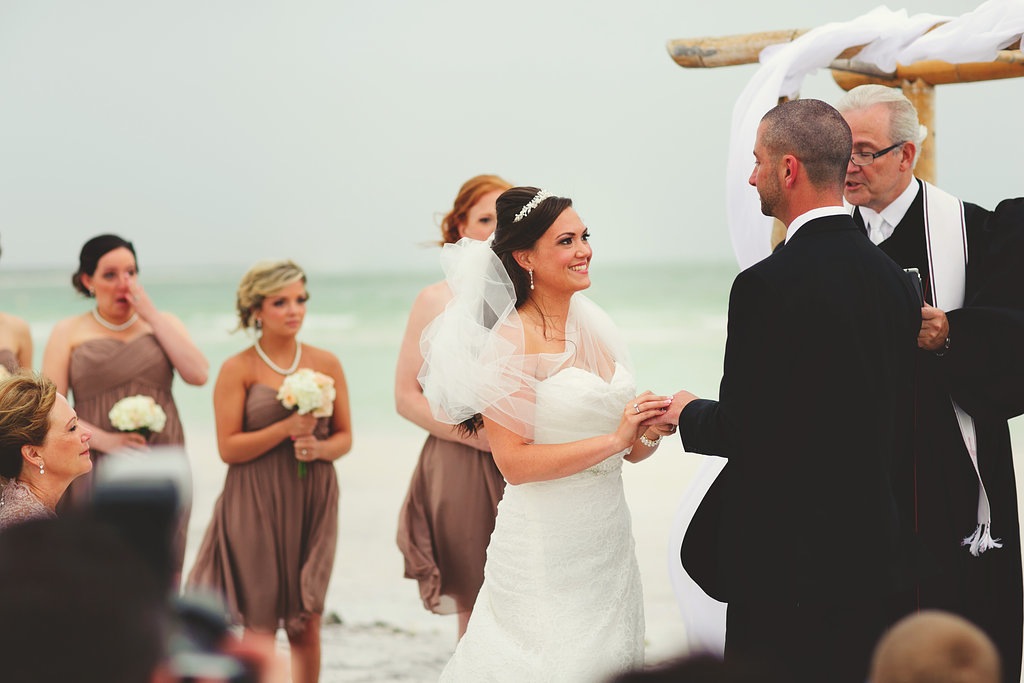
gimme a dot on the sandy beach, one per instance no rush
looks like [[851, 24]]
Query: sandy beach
[[384, 633]]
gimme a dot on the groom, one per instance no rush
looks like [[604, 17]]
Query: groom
[[805, 541]]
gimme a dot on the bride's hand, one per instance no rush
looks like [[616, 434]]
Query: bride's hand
[[644, 407]]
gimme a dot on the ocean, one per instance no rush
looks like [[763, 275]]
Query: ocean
[[673, 317]]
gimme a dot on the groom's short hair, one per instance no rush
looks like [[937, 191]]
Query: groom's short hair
[[815, 133]]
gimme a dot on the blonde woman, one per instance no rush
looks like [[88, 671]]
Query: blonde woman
[[270, 546]]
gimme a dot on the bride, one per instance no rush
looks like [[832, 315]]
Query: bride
[[519, 351]]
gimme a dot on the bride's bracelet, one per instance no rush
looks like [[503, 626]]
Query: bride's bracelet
[[650, 443]]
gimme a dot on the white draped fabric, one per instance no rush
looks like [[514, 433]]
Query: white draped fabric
[[703, 617]]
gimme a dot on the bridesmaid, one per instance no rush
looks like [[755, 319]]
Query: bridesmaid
[[270, 546], [15, 344], [122, 347], [448, 515]]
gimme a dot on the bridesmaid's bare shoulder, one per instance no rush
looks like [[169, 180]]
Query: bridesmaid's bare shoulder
[[320, 360]]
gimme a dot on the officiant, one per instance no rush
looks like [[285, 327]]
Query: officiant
[[954, 473]]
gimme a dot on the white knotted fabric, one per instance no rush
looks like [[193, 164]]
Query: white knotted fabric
[[474, 354]]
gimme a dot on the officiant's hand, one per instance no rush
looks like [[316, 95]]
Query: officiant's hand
[[671, 416], [934, 329]]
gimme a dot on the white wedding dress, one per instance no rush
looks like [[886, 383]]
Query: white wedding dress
[[561, 598]]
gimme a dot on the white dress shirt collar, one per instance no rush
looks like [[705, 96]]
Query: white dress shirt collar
[[819, 212]]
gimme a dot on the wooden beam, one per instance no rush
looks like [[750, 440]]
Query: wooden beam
[[709, 52], [696, 53], [922, 95], [1008, 64]]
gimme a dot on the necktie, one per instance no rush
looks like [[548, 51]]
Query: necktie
[[872, 232], [875, 233]]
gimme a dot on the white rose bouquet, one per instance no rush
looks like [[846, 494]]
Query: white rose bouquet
[[138, 414], [308, 391]]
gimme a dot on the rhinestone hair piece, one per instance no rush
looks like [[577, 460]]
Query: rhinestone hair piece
[[531, 205]]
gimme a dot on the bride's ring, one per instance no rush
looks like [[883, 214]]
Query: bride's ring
[[636, 407]]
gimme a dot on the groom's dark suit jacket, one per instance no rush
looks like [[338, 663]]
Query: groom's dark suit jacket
[[818, 364]]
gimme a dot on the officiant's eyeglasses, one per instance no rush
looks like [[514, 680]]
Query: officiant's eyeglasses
[[868, 158]]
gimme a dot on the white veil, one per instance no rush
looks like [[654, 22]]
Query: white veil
[[474, 357]]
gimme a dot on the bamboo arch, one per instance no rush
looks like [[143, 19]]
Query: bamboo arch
[[917, 80]]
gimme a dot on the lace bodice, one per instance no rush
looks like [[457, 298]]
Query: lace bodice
[[575, 404], [17, 505]]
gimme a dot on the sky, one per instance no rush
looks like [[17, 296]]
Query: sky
[[214, 133]]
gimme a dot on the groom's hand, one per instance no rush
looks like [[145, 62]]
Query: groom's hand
[[671, 415]]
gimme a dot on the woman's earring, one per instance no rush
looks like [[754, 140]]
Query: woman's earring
[[531, 278], [40, 467], [259, 324]]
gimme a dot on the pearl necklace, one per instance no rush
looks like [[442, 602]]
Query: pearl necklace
[[111, 326], [274, 366]]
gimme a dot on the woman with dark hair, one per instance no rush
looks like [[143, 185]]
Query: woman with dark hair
[[522, 353], [43, 448], [124, 346], [15, 344], [448, 513]]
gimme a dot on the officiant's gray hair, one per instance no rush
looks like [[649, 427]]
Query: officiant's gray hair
[[904, 124], [815, 133], [264, 279]]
